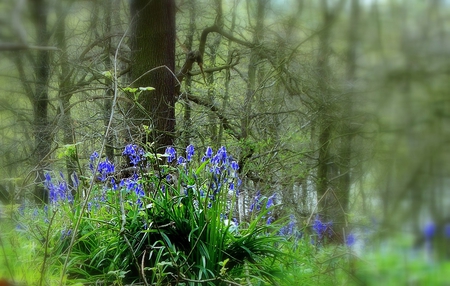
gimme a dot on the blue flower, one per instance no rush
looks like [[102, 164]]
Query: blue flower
[[75, 180], [321, 228], [220, 157], [105, 168], [134, 153], [351, 239], [429, 230], [92, 159], [181, 160], [234, 165], [65, 233], [189, 152], [288, 229], [256, 202], [270, 220], [170, 153], [208, 154], [270, 201]]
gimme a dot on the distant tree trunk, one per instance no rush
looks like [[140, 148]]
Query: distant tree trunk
[[247, 149], [325, 122], [213, 46], [228, 70], [348, 130], [186, 132], [109, 93], [153, 45], [64, 93], [41, 125], [331, 201]]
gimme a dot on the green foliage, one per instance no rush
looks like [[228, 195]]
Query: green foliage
[[168, 223]]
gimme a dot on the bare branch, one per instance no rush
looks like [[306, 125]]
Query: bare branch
[[20, 47]]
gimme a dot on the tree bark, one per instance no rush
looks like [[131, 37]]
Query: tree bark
[[153, 46], [42, 132]]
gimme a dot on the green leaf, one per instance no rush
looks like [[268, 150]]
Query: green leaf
[[130, 89], [202, 166], [107, 74], [148, 88]]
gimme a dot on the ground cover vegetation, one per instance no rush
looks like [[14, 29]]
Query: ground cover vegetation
[[320, 133]]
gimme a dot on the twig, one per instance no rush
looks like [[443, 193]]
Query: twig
[[41, 280]]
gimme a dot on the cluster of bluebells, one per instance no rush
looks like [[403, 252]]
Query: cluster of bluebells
[[105, 168], [224, 168], [322, 229], [257, 204], [289, 229], [59, 191], [134, 154]]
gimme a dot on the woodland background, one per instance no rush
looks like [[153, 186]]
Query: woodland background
[[340, 107]]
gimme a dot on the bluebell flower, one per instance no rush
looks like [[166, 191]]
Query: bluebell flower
[[189, 152], [62, 191], [170, 153], [134, 153], [231, 187], [270, 201], [321, 228], [65, 233], [105, 168], [208, 154], [92, 159], [288, 230], [256, 204], [113, 184], [351, 239], [270, 220], [220, 157], [234, 165], [181, 160], [429, 230], [75, 180]]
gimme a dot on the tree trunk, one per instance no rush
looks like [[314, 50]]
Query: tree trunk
[[331, 201], [109, 93], [153, 46], [42, 132], [186, 132], [345, 172]]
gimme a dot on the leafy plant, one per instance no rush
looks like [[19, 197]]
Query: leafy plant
[[170, 220]]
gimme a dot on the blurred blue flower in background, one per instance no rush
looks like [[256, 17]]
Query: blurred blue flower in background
[[429, 230], [350, 240]]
